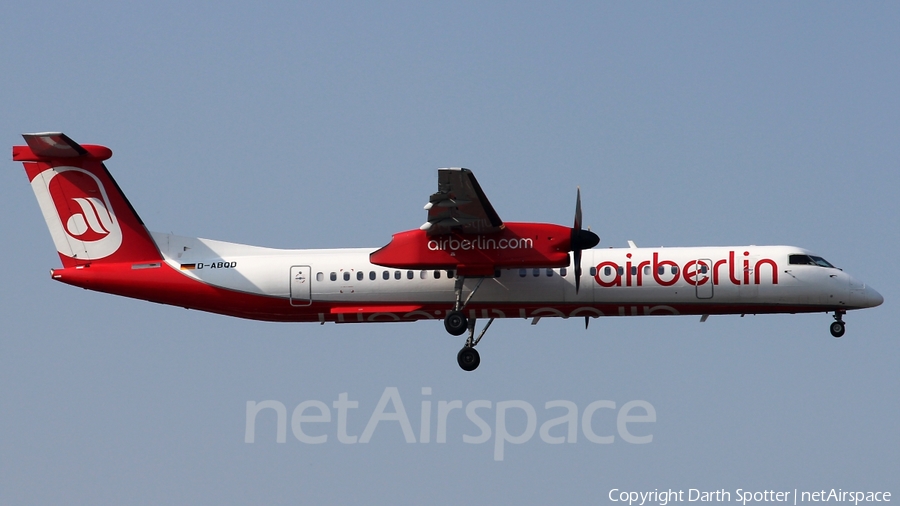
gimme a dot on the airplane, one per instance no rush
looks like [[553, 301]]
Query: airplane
[[462, 264]]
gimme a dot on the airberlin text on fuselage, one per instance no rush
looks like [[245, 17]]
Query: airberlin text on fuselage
[[480, 243], [695, 272]]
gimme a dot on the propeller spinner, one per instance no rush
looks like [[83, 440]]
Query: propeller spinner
[[580, 240]]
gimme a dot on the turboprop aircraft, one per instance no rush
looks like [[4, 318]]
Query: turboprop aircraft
[[462, 264]]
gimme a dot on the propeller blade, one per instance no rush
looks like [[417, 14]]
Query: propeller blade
[[577, 255], [587, 320], [578, 210], [580, 240], [575, 229]]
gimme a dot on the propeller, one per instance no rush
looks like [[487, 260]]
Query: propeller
[[580, 240]]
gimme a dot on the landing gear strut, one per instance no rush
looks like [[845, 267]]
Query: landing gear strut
[[837, 328], [456, 324], [468, 357]]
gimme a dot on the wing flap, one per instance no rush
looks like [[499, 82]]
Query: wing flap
[[460, 205]]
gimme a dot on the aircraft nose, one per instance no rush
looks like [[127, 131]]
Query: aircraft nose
[[873, 298]]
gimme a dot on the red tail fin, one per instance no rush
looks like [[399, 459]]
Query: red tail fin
[[89, 217]]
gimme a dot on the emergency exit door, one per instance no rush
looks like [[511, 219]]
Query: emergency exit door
[[301, 285]]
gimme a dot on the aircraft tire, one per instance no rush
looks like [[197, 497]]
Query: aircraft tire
[[468, 358], [456, 323], [837, 329]]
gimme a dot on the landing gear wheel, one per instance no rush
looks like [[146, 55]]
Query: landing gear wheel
[[456, 323], [468, 358], [837, 329]]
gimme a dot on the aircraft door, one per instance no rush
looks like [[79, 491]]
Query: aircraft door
[[301, 284], [703, 278]]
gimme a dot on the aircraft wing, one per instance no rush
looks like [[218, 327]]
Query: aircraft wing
[[460, 206]]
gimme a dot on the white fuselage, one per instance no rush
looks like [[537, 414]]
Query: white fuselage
[[616, 281]]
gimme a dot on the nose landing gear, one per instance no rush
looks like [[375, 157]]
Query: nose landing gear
[[837, 328]]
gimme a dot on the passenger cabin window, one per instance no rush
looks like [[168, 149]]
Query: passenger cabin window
[[372, 275], [320, 276], [398, 275], [346, 276], [646, 270], [333, 276], [607, 270], [359, 276], [386, 275], [450, 274], [523, 273], [593, 271], [621, 271], [409, 274], [549, 273], [562, 272], [423, 275], [437, 274], [536, 272]]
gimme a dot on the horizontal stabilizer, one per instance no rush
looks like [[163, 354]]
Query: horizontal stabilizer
[[55, 146]]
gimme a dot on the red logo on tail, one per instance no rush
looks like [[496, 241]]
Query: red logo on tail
[[87, 227], [79, 203]]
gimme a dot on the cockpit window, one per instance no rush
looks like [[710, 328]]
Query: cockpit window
[[821, 261], [808, 260], [800, 260]]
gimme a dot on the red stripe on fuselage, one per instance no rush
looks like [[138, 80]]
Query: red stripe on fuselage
[[374, 309]]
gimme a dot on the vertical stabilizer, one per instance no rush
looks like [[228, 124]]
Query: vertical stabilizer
[[89, 218]]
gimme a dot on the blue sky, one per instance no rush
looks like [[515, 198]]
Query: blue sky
[[321, 125]]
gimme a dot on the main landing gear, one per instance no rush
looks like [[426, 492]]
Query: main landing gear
[[457, 324], [468, 357], [837, 328]]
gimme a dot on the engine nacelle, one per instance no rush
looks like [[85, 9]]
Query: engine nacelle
[[515, 245]]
